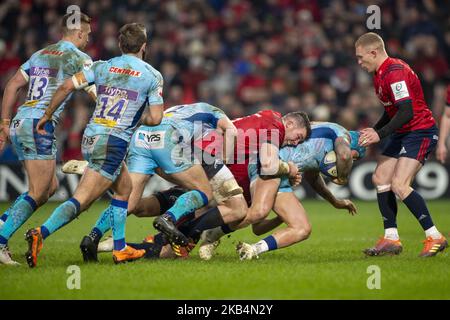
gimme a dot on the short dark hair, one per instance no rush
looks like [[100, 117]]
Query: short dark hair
[[84, 18], [302, 121], [131, 37]]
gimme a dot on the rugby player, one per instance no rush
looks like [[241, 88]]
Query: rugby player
[[413, 135], [167, 147], [325, 137], [126, 86], [42, 73], [307, 156]]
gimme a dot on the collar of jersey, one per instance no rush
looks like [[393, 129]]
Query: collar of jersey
[[68, 43]]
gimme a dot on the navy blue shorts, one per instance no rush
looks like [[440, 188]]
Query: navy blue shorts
[[415, 144]]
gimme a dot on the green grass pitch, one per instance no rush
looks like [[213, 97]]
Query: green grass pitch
[[329, 265]]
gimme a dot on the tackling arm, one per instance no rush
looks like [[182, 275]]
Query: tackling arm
[[272, 166], [92, 91]]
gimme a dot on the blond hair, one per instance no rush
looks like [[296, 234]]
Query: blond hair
[[370, 39]]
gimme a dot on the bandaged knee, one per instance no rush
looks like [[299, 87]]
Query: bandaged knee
[[226, 190]]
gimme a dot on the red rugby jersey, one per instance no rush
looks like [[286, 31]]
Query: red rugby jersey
[[395, 83], [253, 130]]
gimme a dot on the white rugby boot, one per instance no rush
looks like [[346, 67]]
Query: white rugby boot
[[209, 242], [106, 245], [246, 251], [5, 256]]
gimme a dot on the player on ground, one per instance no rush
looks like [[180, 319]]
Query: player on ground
[[325, 137], [307, 156], [126, 85], [409, 123], [441, 151], [43, 73], [265, 129], [168, 147], [259, 138]]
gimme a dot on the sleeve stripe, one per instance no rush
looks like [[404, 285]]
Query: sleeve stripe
[[25, 74], [79, 81]]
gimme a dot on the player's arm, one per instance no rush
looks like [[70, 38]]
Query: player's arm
[[76, 82], [441, 152], [154, 115], [266, 225], [229, 132], [272, 166], [404, 114], [316, 181], [13, 86], [382, 122], [344, 160]]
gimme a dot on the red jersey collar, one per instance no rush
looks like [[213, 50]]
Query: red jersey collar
[[383, 66]]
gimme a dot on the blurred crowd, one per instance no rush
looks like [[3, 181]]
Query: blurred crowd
[[245, 55]]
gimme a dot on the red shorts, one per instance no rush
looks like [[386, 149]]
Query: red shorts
[[240, 173]]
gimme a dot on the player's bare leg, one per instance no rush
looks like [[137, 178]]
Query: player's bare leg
[[147, 207], [41, 187], [263, 197], [122, 189], [232, 211], [264, 193], [291, 211], [139, 182], [92, 185], [387, 203], [405, 171]]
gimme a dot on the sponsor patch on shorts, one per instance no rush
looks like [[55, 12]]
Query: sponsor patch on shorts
[[150, 140]]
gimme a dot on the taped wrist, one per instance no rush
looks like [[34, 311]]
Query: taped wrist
[[283, 169]]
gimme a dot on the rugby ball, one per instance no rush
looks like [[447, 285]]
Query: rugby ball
[[328, 165]]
